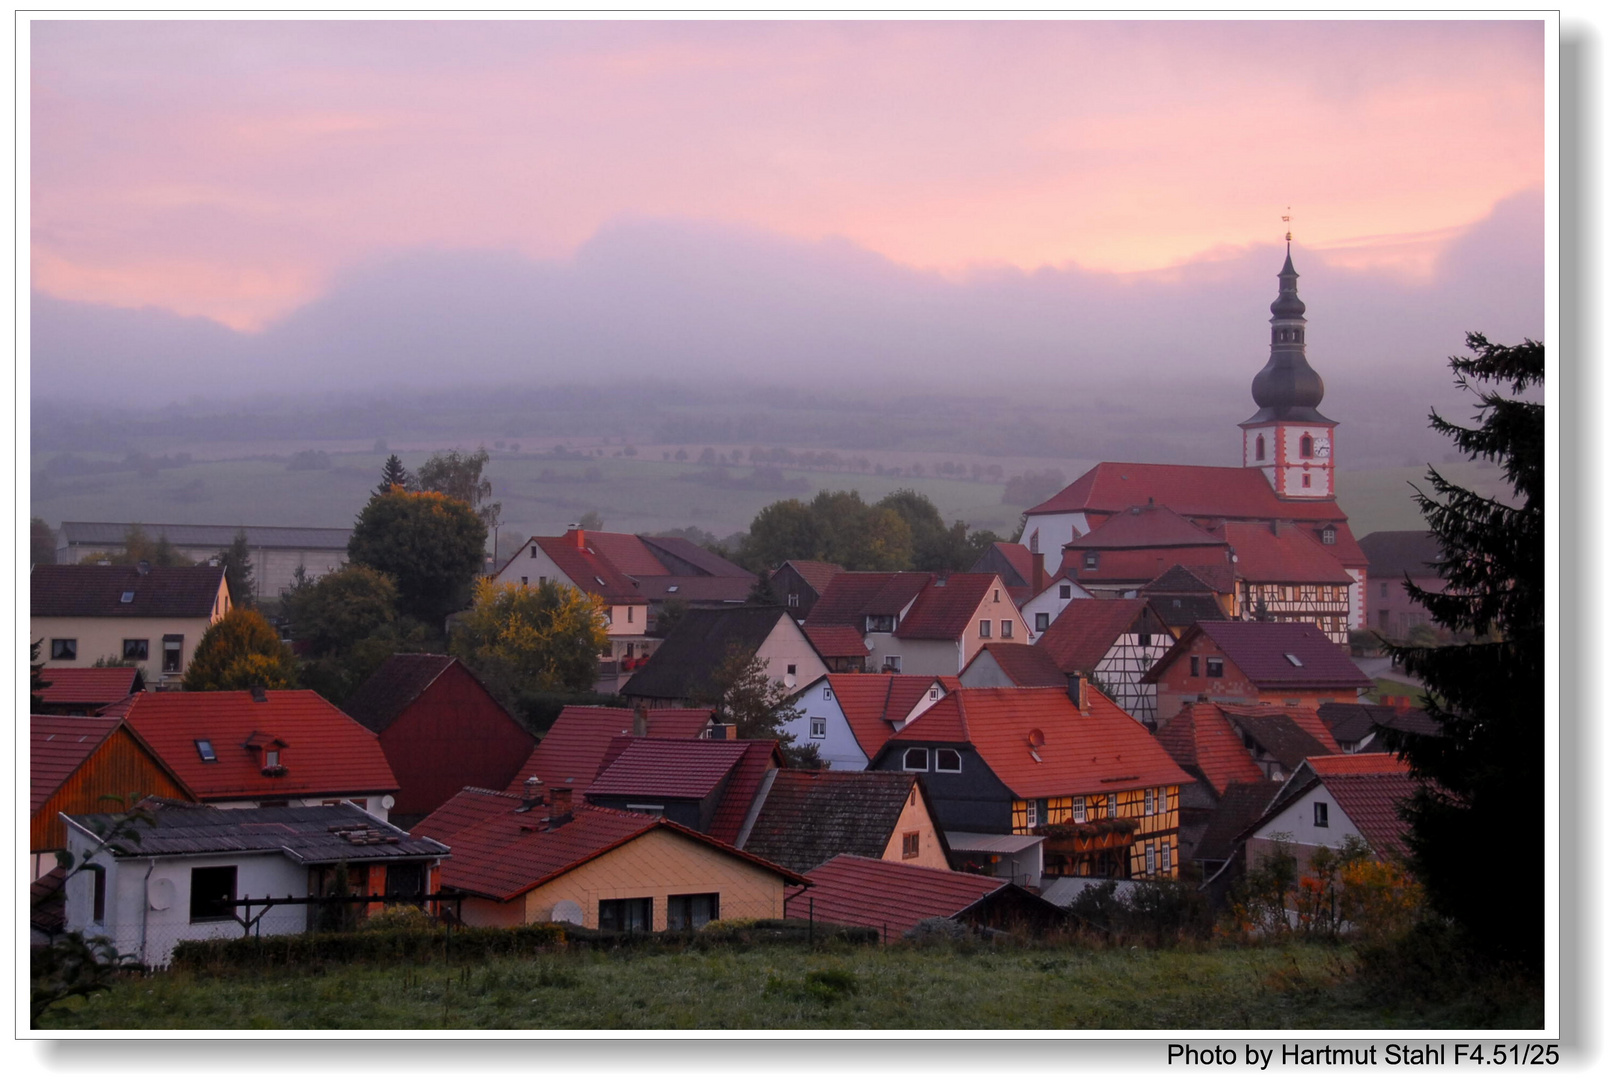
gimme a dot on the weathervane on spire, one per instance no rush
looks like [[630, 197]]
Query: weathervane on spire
[[1289, 236]]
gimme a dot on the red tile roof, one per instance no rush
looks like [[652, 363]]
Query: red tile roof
[[669, 768], [590, 570], [831, 641], [163, 592], [1026, 665], [852, 890], [1084, 631], [873, 704], [87, 685], [58, 745], [1020, 558], [1146, 527], [1287, 555], [1039, 745], [855, 594], [1202, 491], [1136, 566], [571, 752], [326, 752], [463, 810], [628, 555], [1261, 651], [945, 608], [504, 854]]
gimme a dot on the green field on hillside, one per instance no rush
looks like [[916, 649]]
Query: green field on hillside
[[1308, 987]]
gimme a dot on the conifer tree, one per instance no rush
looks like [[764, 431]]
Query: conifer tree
[[1480, 802], [238, 563], [394, 475]]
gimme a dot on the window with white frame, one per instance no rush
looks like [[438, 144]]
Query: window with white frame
[[1319, 815], [915, 760], [947, 761], [1065, 592], [984, 628], [1042, 621], [818, 727], [1006, 628]]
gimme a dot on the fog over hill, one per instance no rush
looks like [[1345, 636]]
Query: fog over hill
[[710, 307]]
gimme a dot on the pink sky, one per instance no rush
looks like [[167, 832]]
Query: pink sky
[[233, 169]]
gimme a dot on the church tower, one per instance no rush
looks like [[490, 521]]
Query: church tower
[[1287, 438]]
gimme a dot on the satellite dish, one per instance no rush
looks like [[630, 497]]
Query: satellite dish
[[569, 912], [160, 894], [868, 644], [790, 681], [387, 802]]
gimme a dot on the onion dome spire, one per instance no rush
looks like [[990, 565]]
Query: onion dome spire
[[1287, 388]]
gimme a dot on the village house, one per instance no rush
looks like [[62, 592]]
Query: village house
[[1068, 765], [550, 859], [1393, 558], [1287, 471], [1271, 663], [133, 615], [440, 729], [1127, 550], [85, 765], [841, 648], [848, 717], [276, 553], [1284, 574], [179, 876], [798, 583], [918, 623], [1234, 752], [1181, 598], [892, 898], [575, 559], [1325, 803], [1042, 608], [806, 817], [683, 669], [1360, 728], [1112, 643], [708, 785], [83, 691], [237, 748], [1024, 575]]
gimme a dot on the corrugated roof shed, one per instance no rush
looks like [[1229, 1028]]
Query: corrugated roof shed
[[112, 534], [306, 834]]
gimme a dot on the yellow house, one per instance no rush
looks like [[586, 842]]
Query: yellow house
[[137, 616], [526, 861]]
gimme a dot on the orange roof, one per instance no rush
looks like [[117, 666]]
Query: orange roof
[[1357, 765], [1025, 665], [325, 752], [1202, 491], [573, 747], [1040, 745], [1201, 737], [1287, 554], [946, 606], [831, 641]]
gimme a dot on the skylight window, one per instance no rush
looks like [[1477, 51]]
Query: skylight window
[[673, 588], [599, 581], [205, 750], [1292, 659], [127, 598]]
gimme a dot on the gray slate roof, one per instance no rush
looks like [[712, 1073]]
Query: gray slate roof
[[1240, 807], [683, 666], [809, 817], [305, 834], [112, 533], [1398, 554]]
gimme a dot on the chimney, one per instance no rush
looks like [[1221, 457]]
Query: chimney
[[638, 726], [1276, 526], [579, 538], [1079, 691], [143, 568], [258, 695], [562, 807], [531, 792]]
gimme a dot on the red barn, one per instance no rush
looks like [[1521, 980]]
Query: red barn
[[440, 729]]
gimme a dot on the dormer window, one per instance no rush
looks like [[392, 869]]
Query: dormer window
[[880, 624], [1091, 560], [272, 759], [1330, 535]]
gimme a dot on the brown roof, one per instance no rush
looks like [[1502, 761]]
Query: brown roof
[[836, 641], [1282, 553], [669, 768], [945, 608], [1271, 654], [854, 891], [1146, 527], [1239, 808], [1201, 491], [1204, 738], [817, 575], [163, 592], [854, 594], [809, 817]]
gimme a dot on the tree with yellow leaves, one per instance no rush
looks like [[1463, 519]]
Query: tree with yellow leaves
[[520, 638]]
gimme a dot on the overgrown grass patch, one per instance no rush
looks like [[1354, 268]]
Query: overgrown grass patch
[[974, 985]]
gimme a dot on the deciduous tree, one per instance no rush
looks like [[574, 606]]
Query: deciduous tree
[[432, 545], [461, 476], [240, 652], [527, 638], [1482, 776]]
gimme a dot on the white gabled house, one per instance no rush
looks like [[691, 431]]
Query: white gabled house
[[848, 716]]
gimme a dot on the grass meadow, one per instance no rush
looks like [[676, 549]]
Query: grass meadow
[[790, 986]]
